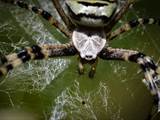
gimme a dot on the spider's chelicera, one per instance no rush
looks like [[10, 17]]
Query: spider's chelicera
[[89, 26]]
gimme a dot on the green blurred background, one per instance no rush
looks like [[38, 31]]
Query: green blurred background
[[53, 89]]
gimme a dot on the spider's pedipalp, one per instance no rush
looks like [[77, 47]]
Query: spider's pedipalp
[[93, 64], [132, 24], [152, 77], [46, 15], [80, 67], [35, 53], [93, 69]]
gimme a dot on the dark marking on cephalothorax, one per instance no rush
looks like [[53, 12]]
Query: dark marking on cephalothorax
[[96, 4]]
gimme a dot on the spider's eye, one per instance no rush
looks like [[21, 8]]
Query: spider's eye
[[91, 12]]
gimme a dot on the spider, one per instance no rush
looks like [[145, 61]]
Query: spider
[[89, 26]]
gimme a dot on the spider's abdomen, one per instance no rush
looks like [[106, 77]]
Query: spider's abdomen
[[88, 42], [94, 13]]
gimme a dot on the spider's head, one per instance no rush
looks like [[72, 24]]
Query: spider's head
[[93, 13]]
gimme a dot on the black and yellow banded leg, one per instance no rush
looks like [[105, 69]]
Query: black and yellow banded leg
[[150, 69], [132, 24], [46, 15], [35, 53]]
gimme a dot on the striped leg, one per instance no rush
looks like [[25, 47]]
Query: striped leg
[[35, 53], [119, 13], [47, 16], [132, 24], [150, 69], [64, 17]]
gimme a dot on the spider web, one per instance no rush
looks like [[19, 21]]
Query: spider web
[[144, 30], [37, 74], [73, 104], [48, 6]]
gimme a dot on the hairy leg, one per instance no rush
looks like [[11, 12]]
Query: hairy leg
[[132, 24], [121, 11], [61, 12], [36, 52], [150, 69]]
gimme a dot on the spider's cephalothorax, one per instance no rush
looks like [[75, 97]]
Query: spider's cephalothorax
[[89, 24]]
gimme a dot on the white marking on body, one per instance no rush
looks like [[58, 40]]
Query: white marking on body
[[89, 43], [92, 15], [91, 21]]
